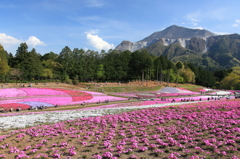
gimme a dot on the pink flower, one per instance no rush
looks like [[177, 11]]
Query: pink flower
[[2, 155], [143, 148], [108, 154], [55, 155], [21, 156], [41, 155], [158, 151], [26, 148], [133, 156], [72, 152], [97, 156], [34, 150]]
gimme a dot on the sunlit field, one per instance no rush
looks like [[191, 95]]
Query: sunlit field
[[150, 127]]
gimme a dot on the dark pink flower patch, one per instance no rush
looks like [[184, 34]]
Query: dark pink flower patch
[[76, 95], [14, 106]]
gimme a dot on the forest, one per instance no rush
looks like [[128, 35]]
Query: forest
[[78, 65]]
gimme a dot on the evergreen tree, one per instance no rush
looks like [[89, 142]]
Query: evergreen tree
[[49, 56], [21, 53], [179, 65], [4, 68], [31, 66], [65, 58]]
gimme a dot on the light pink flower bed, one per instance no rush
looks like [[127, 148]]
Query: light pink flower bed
[[12, 92], [43, 92]]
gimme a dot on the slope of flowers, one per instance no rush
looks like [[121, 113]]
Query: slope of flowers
[[12, 92], [48, 97], [175, 90], [203, 130], [76, 95]]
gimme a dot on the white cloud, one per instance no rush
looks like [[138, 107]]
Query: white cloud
[[34, 41], [92, 31], [235, 25], [98, 42], [194, 24], [200, 28], [8, 40], [10, 43]]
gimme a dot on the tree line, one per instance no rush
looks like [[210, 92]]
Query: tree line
[[78, 65]]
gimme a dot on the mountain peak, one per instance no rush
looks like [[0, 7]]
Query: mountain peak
[[175, 32], [169, 35]]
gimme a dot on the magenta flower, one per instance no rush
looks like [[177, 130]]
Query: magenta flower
[[133, 156], [158, 151], [143, 148], [72, 152], [41, 155], [34, 150], [56, 155], [97, 156], [108, 154], [22, 156]]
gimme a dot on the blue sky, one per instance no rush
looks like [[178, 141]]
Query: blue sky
[[50, 25]]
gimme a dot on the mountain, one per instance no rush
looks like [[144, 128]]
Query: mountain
[[200, 47], [168, 36]]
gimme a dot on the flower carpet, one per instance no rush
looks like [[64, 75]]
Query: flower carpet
[[48, 97], [195, 131], [167, 92]]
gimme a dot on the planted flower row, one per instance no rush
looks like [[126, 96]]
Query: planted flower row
[[203, 130]]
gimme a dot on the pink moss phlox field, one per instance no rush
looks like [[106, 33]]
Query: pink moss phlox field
[[99, 97], [76, 95], [49, 97], [168, 92], [43, 92], [51, 100], [12, 92], [202, 130]]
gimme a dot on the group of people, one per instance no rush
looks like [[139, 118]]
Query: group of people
[[10, 110], [41, 107], [188, 100]]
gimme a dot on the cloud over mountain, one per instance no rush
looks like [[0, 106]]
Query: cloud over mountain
[[98, 42]]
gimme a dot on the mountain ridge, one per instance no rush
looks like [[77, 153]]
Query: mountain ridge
[[168, 36], [200, 47]]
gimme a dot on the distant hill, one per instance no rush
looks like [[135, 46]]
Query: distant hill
[[200, 47]]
